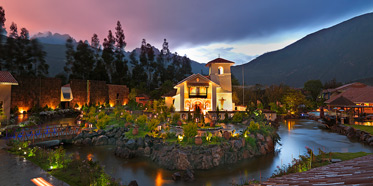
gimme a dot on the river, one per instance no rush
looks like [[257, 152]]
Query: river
[[295, 136]]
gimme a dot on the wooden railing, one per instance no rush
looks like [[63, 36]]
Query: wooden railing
[[44, 134]]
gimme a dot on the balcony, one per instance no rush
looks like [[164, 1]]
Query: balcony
[[198, 95]]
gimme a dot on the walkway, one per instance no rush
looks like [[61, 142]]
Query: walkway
[[357, 171], [15, 170]]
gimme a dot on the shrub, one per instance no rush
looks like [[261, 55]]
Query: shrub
[[254, 127], [190, 130], [152, 124], [102, 122], [129, 118], [175, 118], [141, 121], [237, 117], [251, 141]]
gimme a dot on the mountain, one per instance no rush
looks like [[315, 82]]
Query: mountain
[[343, 51], [54, 46], [49, 38]]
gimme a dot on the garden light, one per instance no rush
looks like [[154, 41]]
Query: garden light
[[180, 137]]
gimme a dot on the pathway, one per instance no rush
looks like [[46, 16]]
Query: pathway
[[357, 171], [15, 170]]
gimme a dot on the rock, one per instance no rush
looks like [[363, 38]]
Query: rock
[[100, 132], [370, 140], [269, 143], [131, 144], [188, 175], [94, 140], [147, 151], [118, 134], [238, 144], [260, 137], [140, 142], [102, 140], [78, 142], [176, 176], [148, 141], [262, 150], [182, 162], [87, 141], [133, 183], [111, 141]]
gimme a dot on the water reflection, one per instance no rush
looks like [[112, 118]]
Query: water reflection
[[303, 133]]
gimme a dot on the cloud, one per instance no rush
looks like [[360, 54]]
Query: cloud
[[185, 24]]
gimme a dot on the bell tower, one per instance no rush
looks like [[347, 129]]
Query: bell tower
[[220, 72]]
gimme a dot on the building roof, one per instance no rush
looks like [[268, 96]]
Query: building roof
[[7, 78], [218, 60], [172, 93], [342, 101], [195, 76], [346, 86], [356, 95]]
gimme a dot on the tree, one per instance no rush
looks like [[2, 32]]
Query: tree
[[70, 52], [332, 84], [138, 73], [84, 61], [294, 100], [37, 57], [120, 75], [235, 81], [108, 53], [313, 88], [2, 21]]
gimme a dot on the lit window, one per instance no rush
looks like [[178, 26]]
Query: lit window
[[220, 70]]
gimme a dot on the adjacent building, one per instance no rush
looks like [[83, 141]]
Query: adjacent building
[[6, 83]]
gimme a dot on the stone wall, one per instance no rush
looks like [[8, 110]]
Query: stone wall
[[118, 94], [353, 133], [79, 91], [98, 92], [174, 156], [36, 92]]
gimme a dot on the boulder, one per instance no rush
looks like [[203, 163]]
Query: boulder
[[87, 141], [176, 176], [102, 140], [260, 137], [118, 134], [78, 142], [370, 140], [100, 132], [188, 175], [133, 183], [111, 141], [140, 142], [131, 144], [182, 162], [147, 151]]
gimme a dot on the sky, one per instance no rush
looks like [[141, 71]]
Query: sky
[[238, 30]]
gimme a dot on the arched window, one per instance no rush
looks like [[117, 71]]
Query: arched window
[[220, 70]]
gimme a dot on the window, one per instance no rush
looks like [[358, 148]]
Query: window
[[220, 70]]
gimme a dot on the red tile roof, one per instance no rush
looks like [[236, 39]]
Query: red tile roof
[[218, 60], [7, 78], [356, 95]]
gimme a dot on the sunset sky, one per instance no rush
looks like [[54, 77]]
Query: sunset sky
[[237, 30]]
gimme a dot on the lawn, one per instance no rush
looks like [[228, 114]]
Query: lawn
[[368, 129]]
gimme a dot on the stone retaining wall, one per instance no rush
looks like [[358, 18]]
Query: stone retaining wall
[[175, 156], [353, 133]]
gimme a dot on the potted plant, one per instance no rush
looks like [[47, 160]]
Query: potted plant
[[198, 140]]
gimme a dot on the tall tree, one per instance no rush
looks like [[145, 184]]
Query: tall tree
[[99, 72], [2, 20], [120, 75], [108, 53], [70, 52], [84, 62], [313, 88], [138, 73], [37, 57]]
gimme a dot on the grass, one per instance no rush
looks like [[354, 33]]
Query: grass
[[368, 129]]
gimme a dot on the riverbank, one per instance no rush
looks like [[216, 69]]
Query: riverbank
[[15, 170], [353, 133]]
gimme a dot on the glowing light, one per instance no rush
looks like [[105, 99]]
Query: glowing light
[[180, 137], [40, 182], [89, 157], [159, 180], [24, 153]]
